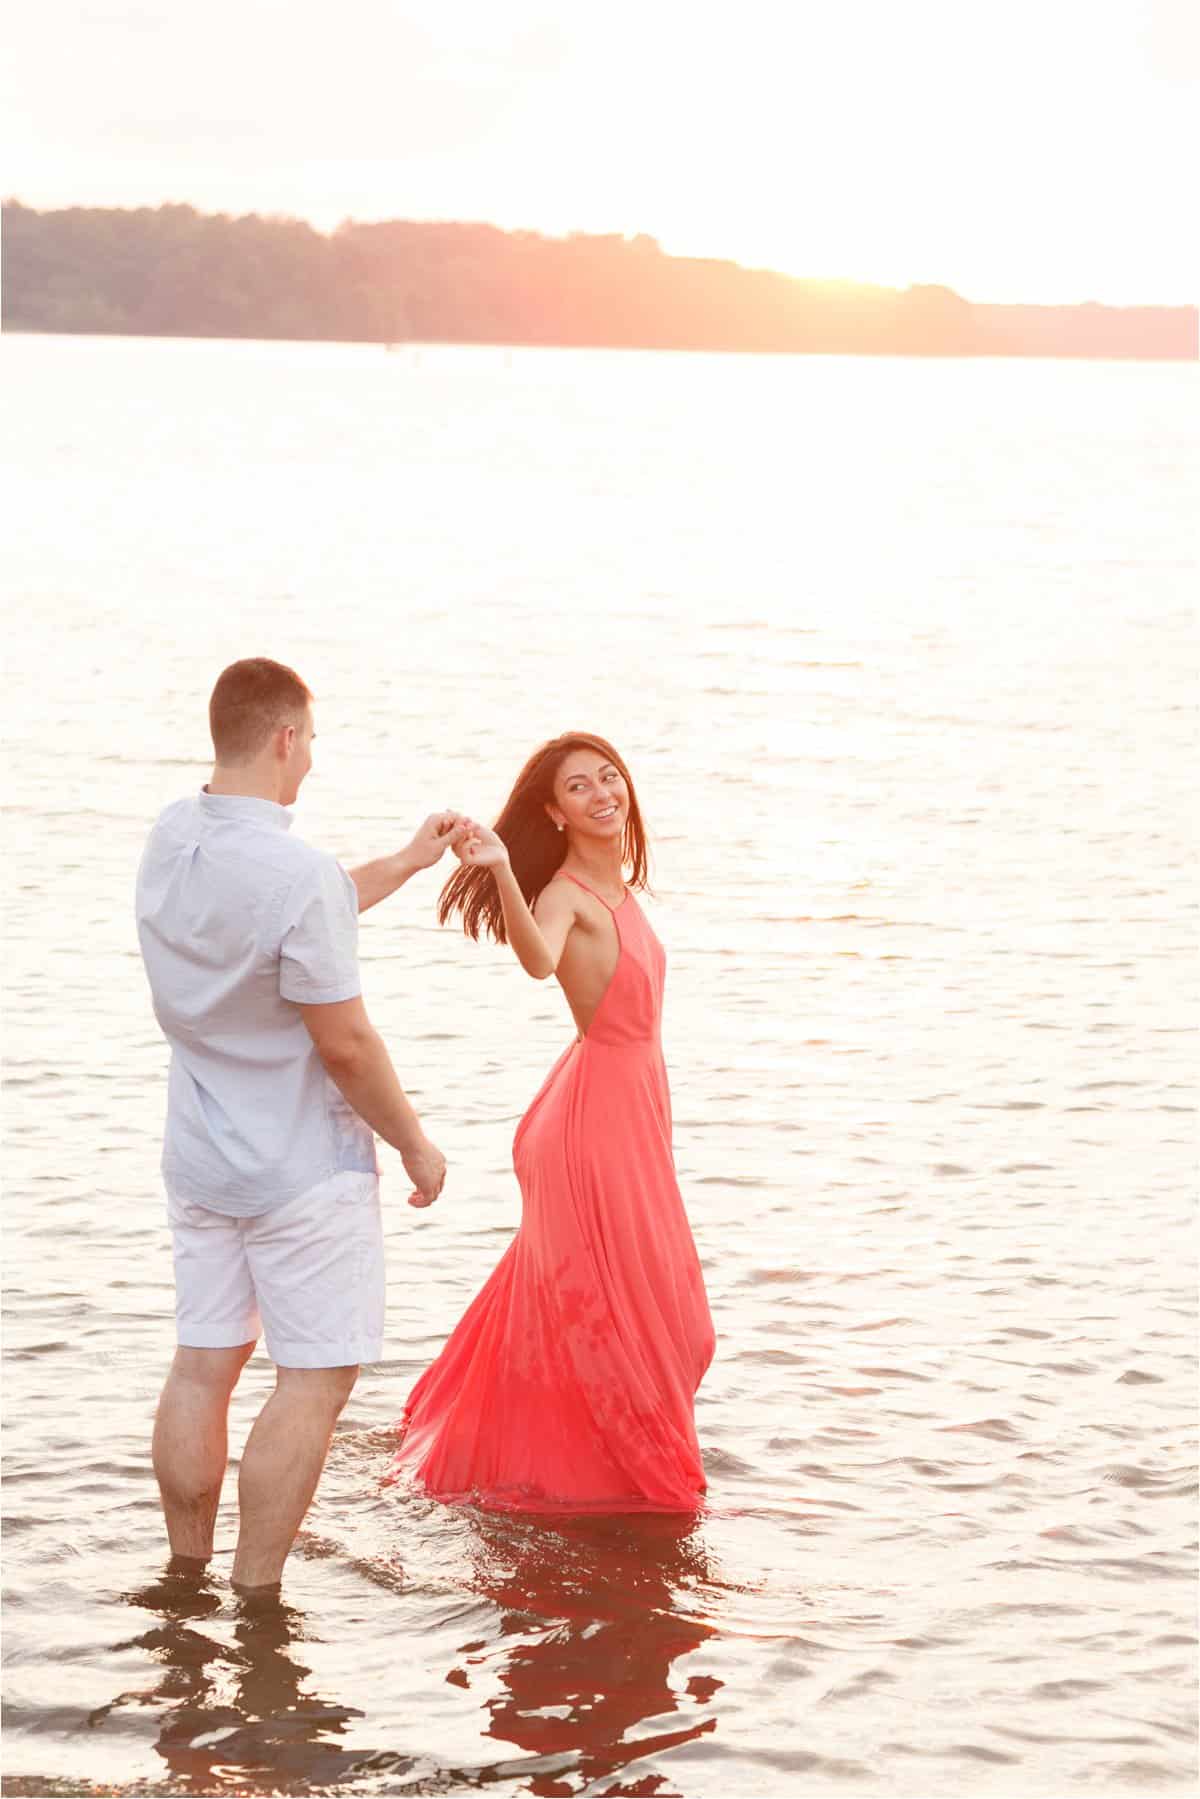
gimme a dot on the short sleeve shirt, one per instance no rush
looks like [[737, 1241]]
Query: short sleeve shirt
[[241, 924]]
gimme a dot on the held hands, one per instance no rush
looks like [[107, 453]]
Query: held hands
[[476, 846], [441, 831], [425, 1167]]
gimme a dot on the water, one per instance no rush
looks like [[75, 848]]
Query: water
[[900, 654]]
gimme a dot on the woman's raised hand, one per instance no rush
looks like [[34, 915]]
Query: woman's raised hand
[[480, 848]]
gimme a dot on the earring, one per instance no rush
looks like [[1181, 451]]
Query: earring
[[558, 827]]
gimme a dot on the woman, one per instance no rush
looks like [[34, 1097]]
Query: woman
[[568, 1384]]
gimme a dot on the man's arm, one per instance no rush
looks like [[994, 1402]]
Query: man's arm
[[357, 1062], [378, 880]]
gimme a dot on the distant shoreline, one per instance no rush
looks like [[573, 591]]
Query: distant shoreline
[[173, 272], [435, 343]]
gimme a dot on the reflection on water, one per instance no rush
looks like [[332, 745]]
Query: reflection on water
[[575, 1671], [614, 1594], [232, 1710]]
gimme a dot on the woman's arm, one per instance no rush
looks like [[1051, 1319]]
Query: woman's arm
[[537, 942]]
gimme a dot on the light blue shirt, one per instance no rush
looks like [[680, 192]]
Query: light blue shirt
[[239, 926]]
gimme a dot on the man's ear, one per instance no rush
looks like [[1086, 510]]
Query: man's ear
[[285, 741]]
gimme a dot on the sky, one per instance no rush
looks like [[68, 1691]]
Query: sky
[[1034, 150]]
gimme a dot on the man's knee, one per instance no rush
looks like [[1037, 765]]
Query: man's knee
[[216, 1369], [327, 1388]]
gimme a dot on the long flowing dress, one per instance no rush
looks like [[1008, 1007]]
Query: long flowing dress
[[567, 1386]]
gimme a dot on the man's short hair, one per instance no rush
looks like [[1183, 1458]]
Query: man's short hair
[[249, 703]]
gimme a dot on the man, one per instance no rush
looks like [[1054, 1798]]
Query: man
[[278, 1084]]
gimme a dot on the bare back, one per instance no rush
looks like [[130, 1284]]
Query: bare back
[[592, 949]]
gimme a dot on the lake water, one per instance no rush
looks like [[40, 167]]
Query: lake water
[[902, 657]]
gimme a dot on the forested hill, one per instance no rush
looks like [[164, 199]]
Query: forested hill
[[172, 271]]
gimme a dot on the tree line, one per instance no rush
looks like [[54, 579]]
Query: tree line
[[173, 271]]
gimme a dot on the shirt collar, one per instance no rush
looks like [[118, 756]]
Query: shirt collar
[[247, 806]]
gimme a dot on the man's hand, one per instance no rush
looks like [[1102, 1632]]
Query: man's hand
[[425, 1167], [440, 832]]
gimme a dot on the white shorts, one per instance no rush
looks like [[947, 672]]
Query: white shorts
[[309, 1274]]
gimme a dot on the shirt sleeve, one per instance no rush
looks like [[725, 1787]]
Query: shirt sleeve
[[318, 953]]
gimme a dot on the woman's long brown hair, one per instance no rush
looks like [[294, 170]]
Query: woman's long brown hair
[[536, 849]]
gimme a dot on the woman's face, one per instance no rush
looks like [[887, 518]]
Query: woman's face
[[591, 796]]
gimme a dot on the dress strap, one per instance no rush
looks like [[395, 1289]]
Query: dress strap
[[563, 875]]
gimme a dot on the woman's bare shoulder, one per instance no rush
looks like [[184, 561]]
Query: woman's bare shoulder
[[559, 898]]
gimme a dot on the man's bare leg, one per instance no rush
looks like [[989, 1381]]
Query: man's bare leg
[[281, 1466], [191, 1443]]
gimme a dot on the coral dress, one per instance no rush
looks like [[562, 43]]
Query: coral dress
[[568, 1384]]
